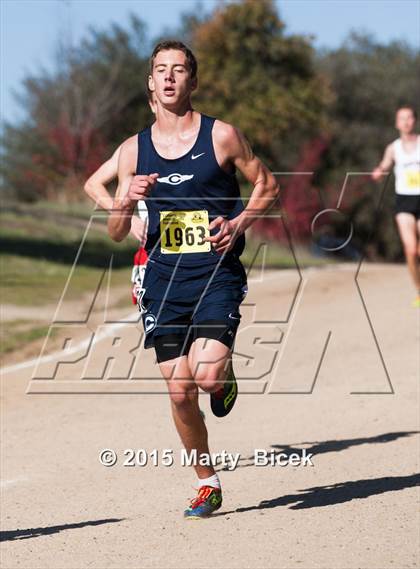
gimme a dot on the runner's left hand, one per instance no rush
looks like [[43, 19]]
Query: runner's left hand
[[225, 238]]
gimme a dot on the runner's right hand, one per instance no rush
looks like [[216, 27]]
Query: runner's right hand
[[141, 186]]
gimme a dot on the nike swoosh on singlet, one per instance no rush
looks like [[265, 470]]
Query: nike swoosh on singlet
[[197, 156]]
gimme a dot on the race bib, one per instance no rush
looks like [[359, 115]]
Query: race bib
[[412, 178], [184, 231]]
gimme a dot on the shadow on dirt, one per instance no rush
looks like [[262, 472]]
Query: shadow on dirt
[[317, 448], [12, 535]]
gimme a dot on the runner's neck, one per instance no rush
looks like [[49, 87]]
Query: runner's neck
[[409, 138], [175, 142], [177, 124]]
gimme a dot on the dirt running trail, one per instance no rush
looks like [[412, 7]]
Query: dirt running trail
[[316, 365]]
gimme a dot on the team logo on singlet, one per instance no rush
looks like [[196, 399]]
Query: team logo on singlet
[[175, 179], [149, 323]]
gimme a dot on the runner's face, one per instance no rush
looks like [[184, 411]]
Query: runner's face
[[405, 121], [171, 80]]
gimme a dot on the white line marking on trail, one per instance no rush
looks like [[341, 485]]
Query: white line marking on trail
[[6, 483], [83, 344], [77, 348], [110, 329]]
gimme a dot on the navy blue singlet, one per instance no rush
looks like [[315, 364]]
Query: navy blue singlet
[[195, 183]]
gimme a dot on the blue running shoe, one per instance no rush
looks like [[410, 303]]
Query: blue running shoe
[[208, 500]]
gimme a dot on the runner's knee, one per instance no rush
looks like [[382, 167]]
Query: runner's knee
[[183, 396], [209, 377]]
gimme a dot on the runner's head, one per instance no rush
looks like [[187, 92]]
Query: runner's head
[[405, 119], [173, 73]]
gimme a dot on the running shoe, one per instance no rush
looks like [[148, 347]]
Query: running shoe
[[208, 500], [223, 400]]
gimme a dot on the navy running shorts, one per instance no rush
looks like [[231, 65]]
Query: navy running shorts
[[179, 309]]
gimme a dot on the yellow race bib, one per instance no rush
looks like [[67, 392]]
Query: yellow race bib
[[412, 179], [184, 231]]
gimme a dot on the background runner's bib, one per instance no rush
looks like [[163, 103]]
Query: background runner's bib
[[190, 192], [407, 169], [412, 179]]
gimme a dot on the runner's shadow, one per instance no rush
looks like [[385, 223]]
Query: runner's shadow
[[320, 496], [12, 535], [318, 448]]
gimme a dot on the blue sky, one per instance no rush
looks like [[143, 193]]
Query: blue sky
[[31, 28]]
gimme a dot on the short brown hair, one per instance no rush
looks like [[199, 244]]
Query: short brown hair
[[174, 44]]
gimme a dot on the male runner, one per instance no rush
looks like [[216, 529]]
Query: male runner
[[184, 167], [404, 153]]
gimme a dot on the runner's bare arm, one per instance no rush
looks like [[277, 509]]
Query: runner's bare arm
[[386, 163], [95, 186], [96, 189], [131, 189], [231, 146], [119, 222]]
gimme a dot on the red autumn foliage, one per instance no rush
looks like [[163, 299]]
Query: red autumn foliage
[[299, 200], [73, 155]]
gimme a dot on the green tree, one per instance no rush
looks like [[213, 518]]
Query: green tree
[[77, 115], [256, 77]]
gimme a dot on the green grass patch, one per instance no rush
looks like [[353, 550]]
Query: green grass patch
[[16, 334], [59, 238], [27, 281], [48, 229], [78, 210]]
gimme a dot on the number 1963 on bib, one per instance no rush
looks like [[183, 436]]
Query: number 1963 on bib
[[184, 231]]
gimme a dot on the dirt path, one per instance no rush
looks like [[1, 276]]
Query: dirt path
[[319, 383]]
